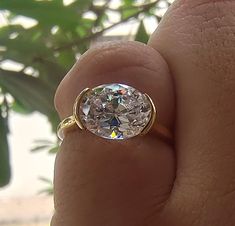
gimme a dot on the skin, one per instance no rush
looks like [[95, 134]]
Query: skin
[[188, 68]]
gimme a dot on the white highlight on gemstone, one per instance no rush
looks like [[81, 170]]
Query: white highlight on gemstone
[[115, 111]]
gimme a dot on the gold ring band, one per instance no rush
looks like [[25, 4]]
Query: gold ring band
[[69, 124]]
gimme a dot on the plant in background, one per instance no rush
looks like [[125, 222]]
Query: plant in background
[[45, 51]]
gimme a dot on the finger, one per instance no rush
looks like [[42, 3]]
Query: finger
[[197, 40], [100, 182], [142, 68]]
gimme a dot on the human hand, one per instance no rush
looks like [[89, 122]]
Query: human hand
[[188, 68]]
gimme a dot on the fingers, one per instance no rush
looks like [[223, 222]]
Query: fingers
[[197, 40], [100, 182]]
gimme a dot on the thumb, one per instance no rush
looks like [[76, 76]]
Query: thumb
[[197, 40], [102, 182]]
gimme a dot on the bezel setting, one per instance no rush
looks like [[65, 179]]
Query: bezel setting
[[114, 100]]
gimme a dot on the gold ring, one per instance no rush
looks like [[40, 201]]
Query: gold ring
[[114, 111]]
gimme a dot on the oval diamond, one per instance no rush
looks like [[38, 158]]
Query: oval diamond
[[115, 111]]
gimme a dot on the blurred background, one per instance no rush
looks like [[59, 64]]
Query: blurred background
[[39, 42]]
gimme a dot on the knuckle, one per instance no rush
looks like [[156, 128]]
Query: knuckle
[[207, 29]]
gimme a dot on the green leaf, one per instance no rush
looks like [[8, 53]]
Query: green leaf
[[142, 35], [33, 93], [54, 120], [40, 148], [46, 180], [43, 141], [128, 2], [126, 13], [45, 145], [53, 150], [19, 107], [81, 5], [51, 72], [45, 12], [5, 172], [66, 58], [26, 47], [49, 189]]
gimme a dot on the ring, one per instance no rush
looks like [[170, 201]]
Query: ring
[[114, 111]]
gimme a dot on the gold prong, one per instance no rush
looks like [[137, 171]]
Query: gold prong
[[66, 125], [76, 107], [153, 116]]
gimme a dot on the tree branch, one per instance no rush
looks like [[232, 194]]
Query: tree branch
[[137, 6], [143, 8]]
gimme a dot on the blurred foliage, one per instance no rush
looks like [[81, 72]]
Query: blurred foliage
[[49, 186], [45, 51]]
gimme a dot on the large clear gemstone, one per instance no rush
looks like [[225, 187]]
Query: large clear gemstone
[[115, 111]]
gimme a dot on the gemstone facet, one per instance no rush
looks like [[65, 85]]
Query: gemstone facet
[[114, 111]]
